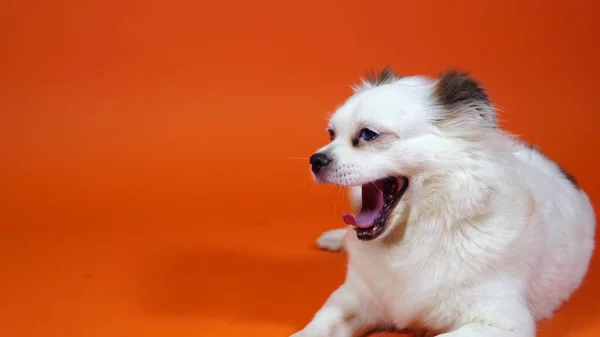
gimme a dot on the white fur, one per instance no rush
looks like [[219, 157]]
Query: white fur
[[489, 237], [332, 240]]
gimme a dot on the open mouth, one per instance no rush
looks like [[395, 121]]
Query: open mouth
[[379, 198]]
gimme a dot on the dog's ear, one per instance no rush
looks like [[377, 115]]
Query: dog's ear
[[462, 99], [376, 78]]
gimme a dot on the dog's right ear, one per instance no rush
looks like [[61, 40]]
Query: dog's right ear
[[462, 99]]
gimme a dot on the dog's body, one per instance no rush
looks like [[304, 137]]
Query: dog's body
[[489, 237]]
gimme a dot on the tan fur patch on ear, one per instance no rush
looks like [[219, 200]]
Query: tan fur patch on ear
[[383, 76], [456, 87], [375, 78], [463, 99]]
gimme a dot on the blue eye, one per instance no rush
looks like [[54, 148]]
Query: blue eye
[[368, 134]]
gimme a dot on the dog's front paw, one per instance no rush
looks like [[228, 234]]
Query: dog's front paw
[[332, 240], [303, 333], [313, 330]]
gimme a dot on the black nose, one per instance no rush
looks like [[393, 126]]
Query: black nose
[[318, 161]]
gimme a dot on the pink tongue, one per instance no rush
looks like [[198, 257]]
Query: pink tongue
[[372, 203], [363, 220]]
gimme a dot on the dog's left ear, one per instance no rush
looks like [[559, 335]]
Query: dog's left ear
[[463, 100], [376, 78]]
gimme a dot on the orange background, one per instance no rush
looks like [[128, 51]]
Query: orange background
[[153, 155]]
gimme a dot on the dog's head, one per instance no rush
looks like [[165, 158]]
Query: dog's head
[[394, 130]]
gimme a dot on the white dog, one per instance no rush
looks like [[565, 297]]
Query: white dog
[[459, 229]]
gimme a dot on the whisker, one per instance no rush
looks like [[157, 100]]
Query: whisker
[[304, 182], [372, 183], [337, 199], [311, 187]]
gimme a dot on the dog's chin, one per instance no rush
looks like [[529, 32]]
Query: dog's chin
[[379, 199]]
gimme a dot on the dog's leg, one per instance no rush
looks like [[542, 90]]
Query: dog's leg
[[340, 316], [332, 240], [484, 330], [509, 321]]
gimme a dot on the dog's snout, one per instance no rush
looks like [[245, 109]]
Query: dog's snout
[[318, 161]]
